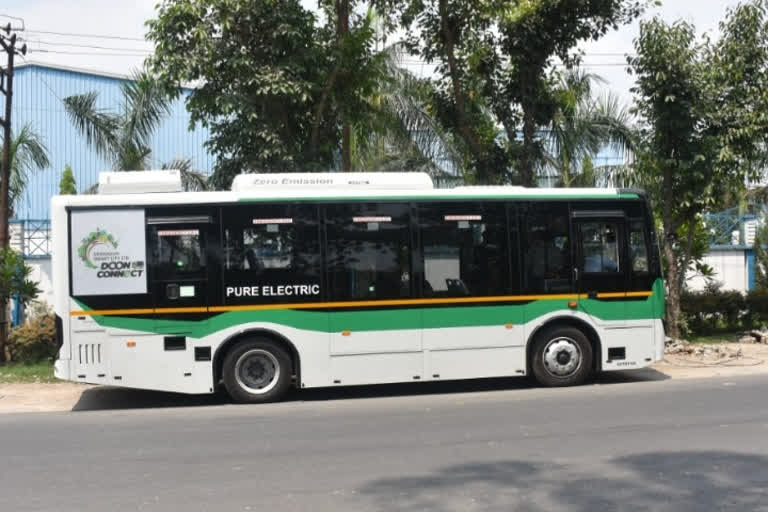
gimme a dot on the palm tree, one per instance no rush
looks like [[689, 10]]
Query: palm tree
[[28, 154], [581, 128], [401, 133], [124, 138]]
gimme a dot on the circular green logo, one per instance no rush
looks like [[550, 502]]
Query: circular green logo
[[94, 238]]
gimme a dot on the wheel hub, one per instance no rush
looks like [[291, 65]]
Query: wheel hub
[[257, 371], [562, 357]]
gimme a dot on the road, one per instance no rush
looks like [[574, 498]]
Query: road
[[622, 444]]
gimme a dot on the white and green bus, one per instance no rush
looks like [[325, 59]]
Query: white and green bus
[[311, 280]]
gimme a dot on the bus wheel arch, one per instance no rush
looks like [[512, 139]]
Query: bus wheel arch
[[256, 333], [565, 322]]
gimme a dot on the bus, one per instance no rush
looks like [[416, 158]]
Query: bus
[[338, 279]]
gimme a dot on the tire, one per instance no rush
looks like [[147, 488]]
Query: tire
[[257, 371], [562, 356]]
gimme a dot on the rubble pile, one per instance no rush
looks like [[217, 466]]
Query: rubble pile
[[702, 351], [755, 336]]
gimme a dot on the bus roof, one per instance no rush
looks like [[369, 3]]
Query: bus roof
[[343, 194]]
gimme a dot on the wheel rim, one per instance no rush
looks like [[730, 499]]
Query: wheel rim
[[257, 371], [562, 357]]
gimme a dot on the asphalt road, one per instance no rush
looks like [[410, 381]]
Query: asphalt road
[[623, 444]]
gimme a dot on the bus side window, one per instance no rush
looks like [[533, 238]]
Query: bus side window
[[547, 248], [176, 252], [368, 251], [638, 246], [271, 253], [465, 249]]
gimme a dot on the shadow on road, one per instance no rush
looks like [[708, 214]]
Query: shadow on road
[[107, 398], [676, 481]]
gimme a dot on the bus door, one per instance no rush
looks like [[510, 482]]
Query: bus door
[[180, 272], [600, 264]]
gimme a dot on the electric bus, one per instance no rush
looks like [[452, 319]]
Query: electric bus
[[339, 279]]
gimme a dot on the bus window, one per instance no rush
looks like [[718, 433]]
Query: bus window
[[600, 247], [465, 249], [638, 247], [368, 251], [547, 248], [178, 252], [271, 253]]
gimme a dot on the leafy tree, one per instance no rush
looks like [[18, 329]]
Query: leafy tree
[[14, 282], [703, 112], [496, 60], [67, 184], [275, 84], [28, 154]]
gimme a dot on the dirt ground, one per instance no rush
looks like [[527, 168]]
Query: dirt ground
[[716, 360]]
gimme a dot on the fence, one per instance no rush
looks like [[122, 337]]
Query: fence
[[32, 238]]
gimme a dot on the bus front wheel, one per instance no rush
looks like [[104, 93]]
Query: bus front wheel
[[562, 356], [257, 371]]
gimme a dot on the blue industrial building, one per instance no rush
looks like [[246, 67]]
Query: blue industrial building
[[37, 100]]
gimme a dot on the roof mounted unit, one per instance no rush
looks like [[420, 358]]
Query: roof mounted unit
[[139, 182], [355, 180], [490, 188]]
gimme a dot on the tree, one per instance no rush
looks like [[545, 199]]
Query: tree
[[402, 131], [14, 282], [122, 138], [761, 257], [67, 184], [276, 85], [498, 58], [580, 128], [28, 155], [703, 121]]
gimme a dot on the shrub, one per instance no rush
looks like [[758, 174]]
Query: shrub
[[34, 341], [757, 308], [716, 310]]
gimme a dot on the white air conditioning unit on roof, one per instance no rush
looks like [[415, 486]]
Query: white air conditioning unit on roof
[[139, 182]]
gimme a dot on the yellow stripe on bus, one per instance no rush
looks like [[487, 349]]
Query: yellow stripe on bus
[[356, 304]]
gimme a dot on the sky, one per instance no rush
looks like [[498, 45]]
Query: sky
[[87, 22]]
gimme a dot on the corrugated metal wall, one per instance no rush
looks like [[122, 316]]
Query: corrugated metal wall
[[37, 100]]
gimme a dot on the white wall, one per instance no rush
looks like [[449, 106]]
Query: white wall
[[730, 268], [42, 273]]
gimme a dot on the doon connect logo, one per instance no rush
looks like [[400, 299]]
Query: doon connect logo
[[94, 238]]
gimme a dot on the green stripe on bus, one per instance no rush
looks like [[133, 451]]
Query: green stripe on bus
[[394, 319]]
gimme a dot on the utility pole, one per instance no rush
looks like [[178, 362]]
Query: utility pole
[[8, 43]]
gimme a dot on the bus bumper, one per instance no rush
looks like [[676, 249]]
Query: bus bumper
[[61, 369], [660, 338]]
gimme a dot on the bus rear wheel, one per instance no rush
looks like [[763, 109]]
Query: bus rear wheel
[[257, 371], [562, 356]]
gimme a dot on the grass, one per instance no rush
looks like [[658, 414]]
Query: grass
[[23, 372], [720, 337]]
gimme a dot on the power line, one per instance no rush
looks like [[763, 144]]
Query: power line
[[97, 47], [103, 54], [93, 36]]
